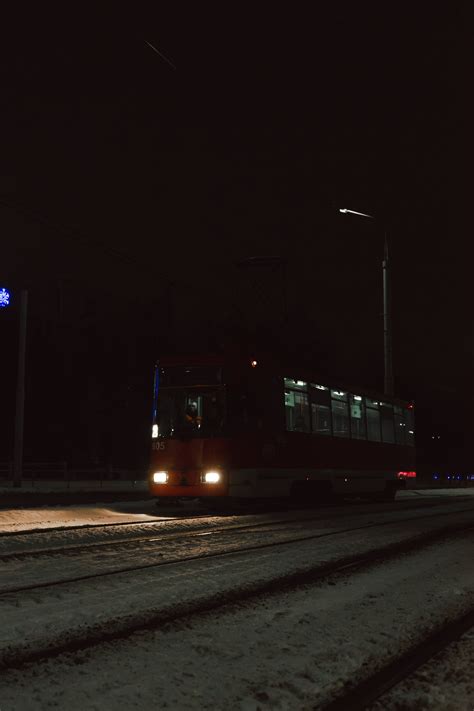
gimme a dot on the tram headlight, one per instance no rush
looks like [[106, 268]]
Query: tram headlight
[[160, 477], [212, 477]]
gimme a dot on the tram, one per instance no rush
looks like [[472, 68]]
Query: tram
[[251, 428]]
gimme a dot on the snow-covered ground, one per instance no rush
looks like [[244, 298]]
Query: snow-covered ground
[[48, 617], [18, 519], [446, 682], [286, 651], [49, 555]]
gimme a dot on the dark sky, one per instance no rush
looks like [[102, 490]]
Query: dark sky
[[121, 174]]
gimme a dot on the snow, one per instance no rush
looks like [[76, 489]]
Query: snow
[[73, 553], [18, 519], [445, 682], [286, 651], [458, 491]]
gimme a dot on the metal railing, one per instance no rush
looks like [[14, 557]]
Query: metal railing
[[36, 473]]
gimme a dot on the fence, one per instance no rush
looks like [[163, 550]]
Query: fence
[[41, 473]]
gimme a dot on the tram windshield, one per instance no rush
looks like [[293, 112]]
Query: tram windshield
[[190, 412]]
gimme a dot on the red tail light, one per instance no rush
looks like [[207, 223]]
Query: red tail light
[[407, 475]]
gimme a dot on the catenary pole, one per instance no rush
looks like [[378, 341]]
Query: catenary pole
[[20, 394], [387, 307], [387, 322]]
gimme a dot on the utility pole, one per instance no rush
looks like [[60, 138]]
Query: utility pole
[[387, 325], [20, 393], [387, 306]]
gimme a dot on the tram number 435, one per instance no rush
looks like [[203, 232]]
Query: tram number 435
[[158, 445]]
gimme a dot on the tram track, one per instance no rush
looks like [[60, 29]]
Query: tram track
[[216, 554], [76, 549], [93, 545], [219, 513], [149, 619], [161, 536], [362, 696]]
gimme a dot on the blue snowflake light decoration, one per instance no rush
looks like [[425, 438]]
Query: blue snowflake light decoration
[[4, 298]]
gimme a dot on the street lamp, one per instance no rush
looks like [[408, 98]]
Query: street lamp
[[387, 324]]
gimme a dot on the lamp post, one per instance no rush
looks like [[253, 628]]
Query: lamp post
[[20, 385], [20, 394], [387, 322]]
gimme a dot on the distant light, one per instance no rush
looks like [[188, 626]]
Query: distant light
[[410, 406], [253, 363], [357, 397], [407, 475], [301, 383], [4, 298], [154, 432]]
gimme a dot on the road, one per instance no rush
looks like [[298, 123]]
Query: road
[[129, 606]]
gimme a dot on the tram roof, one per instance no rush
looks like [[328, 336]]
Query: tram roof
[[286, 367]]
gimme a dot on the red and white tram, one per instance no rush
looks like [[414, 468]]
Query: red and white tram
[[250, 428]]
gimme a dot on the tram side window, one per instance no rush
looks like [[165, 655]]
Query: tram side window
[[340, 413], [400, 424], [373, 420], [320, 398], [358, 426], [388, 434], [297, 411], [410, 428]]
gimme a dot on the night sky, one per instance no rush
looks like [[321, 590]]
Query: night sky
[[131, 185]]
